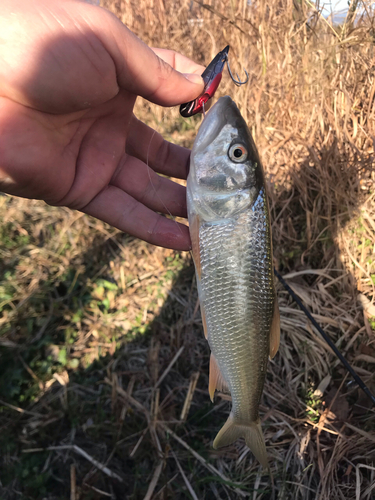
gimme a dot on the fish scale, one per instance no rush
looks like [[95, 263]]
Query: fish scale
[[231, 240], [235, 317]]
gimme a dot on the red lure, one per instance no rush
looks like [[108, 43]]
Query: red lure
[[211, 77]]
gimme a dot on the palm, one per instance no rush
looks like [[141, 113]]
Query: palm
[[69, 135]]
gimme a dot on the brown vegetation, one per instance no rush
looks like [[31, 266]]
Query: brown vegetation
[[105, 365]]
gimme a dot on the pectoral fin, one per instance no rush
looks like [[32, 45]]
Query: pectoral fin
[[275, 330], [216, 379]]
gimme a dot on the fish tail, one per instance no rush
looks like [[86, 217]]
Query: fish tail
[[252, 433]]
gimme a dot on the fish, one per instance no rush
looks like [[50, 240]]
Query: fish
[[229, 223]]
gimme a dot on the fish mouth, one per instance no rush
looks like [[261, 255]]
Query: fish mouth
[[222, 113]]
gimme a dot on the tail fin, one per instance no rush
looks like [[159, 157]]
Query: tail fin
[[253, 437]]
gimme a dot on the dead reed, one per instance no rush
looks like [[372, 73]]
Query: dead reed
[[105, 368]]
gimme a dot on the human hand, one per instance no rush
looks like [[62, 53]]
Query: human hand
[[69, 77]]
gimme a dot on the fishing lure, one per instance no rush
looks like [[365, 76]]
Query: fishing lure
[[211, 77]]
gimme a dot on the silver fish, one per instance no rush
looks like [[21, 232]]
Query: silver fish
[[232, 250]]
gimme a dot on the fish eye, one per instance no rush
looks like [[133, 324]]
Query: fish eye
[[237, 153]]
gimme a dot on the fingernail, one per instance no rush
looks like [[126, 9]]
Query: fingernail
[[193, 78]]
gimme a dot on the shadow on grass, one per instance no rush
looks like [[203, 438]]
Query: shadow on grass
[[87, 411]]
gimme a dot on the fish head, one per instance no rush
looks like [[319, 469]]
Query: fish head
[[225, 171]]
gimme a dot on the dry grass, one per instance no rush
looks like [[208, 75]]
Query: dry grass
[[105, 368]]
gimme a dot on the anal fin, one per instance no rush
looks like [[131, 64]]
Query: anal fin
[[275, 330], [216, 379]]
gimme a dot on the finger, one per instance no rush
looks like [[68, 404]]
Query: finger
[[120, 210], [140, 70], [178, 61], [157, 81], [143, 184], [150, 147]]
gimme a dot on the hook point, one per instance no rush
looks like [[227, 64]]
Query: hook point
[[237, 82]]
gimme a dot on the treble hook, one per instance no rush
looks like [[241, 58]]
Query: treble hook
[[238, 82]]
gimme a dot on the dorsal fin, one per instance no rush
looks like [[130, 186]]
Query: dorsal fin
[[216, 379]]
